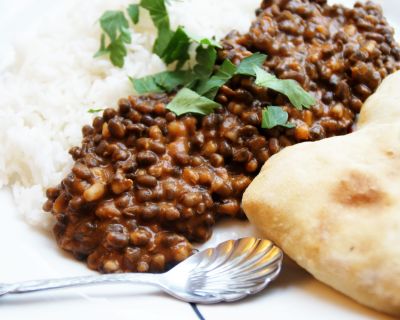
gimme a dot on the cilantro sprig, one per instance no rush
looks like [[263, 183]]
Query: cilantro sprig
[[196, 86], [170, 45], [203, 83]]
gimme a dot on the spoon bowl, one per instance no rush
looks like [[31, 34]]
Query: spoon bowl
[[229, 272]]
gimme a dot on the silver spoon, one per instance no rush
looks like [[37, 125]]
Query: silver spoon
[[229, 272]]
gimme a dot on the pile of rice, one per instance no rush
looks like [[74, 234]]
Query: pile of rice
[[51, 80]]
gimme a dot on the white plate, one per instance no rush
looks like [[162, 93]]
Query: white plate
[[29, 254]]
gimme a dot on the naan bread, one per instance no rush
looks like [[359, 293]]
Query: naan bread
[[334, 205]]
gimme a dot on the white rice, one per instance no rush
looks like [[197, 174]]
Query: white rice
[[51, 79]]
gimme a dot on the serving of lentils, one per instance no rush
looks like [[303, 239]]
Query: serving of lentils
[[146, 184]]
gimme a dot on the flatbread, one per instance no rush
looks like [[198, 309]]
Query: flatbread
[[334, 205]]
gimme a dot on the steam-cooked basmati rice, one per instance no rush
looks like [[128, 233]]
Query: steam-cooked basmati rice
[[52, 79]]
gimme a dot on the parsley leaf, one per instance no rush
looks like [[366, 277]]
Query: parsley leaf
[[275, 116], [290, 88], [247, 65], [189, 101], [161, 82], [133, 11]]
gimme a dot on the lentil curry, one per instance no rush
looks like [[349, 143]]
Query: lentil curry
[[146, 184]]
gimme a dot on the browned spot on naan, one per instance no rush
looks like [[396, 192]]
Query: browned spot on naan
[[358, 190]]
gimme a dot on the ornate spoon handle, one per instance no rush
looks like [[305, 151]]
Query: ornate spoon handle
[[46, 284]]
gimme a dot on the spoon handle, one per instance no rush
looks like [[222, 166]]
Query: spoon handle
[[46, 284]]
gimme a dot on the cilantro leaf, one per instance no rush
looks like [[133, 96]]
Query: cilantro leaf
[[170, 80], [117, 52], [163, 39], [113, 22], [205, 58], [189, 101], [275, 116], [161, 82], [177, 48], [170, 46], [209, 88], [158, 13], [227, 71], [146, 85], [133, 12], [115, 26], [247, 65], [290, 88]]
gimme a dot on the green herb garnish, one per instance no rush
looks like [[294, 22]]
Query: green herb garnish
[[165, 81], [200, 79], [275, 116], [158, 12], [170, 45], [116, 28], [95, 110], [209, 88], [248, 64], [133, 12], [176, 48], [168, 81], [290, 88], [227, 70], [199, 84], [114, 24], [205, 58], [190, 101]]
